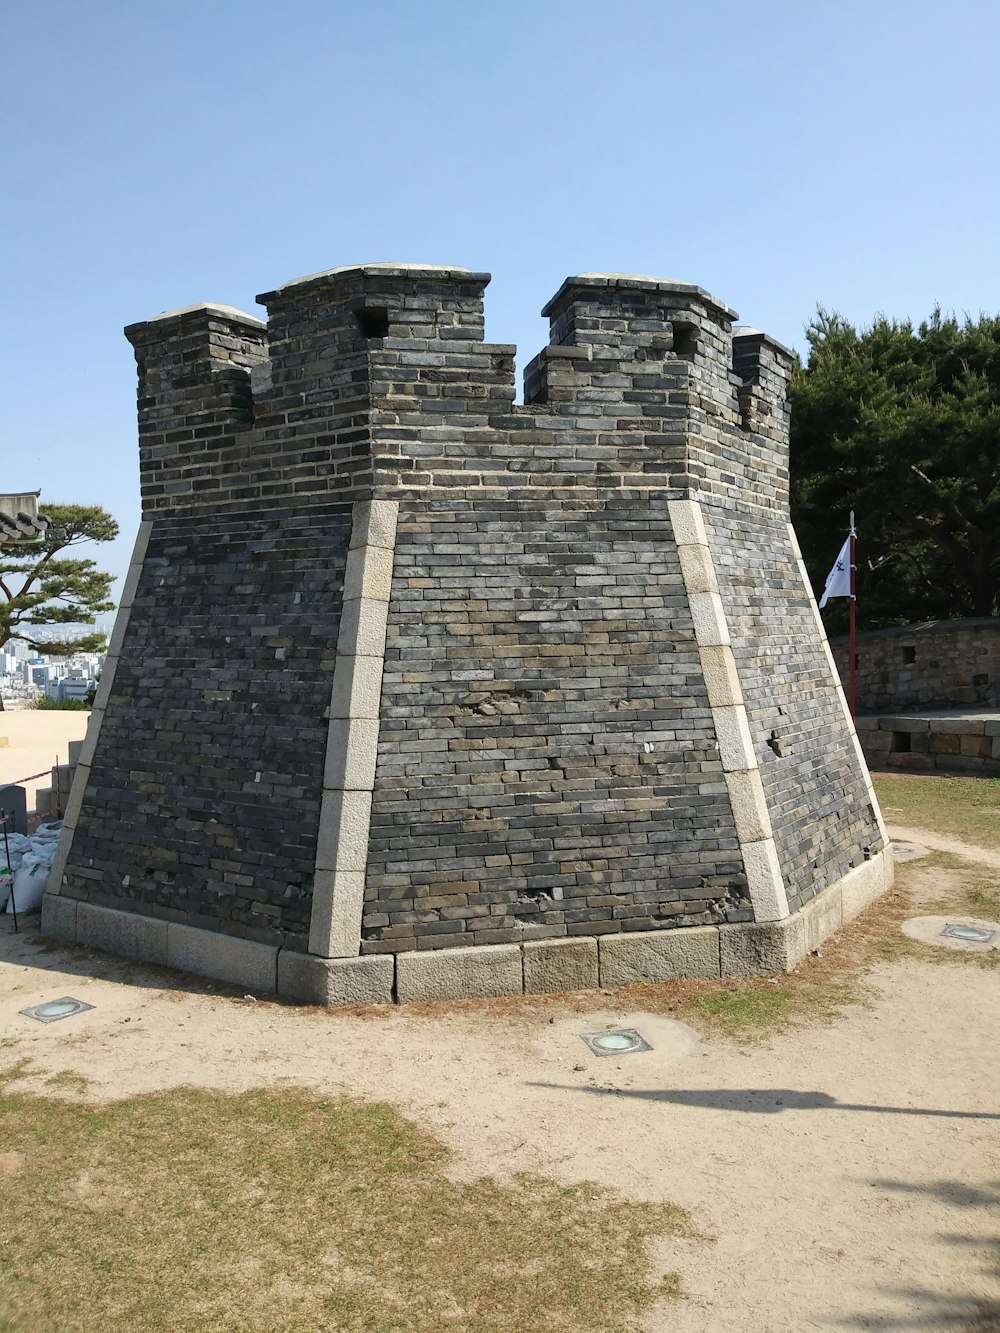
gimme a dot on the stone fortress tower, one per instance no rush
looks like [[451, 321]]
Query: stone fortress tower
[[416, 692]]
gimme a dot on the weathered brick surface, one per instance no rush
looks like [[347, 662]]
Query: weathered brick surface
[[204, 792], [547, 763], [816, 792], [943, 664]]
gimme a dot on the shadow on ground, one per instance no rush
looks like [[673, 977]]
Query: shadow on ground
[[762, 1101], [28, 947], [967, 1312]]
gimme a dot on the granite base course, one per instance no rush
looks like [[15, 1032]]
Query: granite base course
[[332, 982], [533, 967]]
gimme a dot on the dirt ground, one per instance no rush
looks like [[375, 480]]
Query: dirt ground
[[35, 739], [844, 1174]]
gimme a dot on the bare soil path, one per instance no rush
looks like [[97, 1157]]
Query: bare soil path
[[849, 1172], [938, 842]]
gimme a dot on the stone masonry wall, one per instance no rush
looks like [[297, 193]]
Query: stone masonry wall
[[817, 795], [547, 762], [941, 664], [203, 799]]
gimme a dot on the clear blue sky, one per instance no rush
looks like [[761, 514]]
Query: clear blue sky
[[163, 152]]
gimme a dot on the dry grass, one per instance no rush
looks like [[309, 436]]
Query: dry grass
[[196, 1211], [966, 808], [946, 885]]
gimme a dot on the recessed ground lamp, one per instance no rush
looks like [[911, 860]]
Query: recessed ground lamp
[[973, 934], [53, 1010], [620, 1041]]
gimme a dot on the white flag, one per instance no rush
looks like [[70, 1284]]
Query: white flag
[[838, 581]]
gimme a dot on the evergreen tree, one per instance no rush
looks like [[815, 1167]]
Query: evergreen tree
[[39, 586], [903, 426]]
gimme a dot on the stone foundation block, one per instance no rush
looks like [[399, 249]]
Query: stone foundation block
[[862, 885], [560, 965], [223, 957], [758, 948], [459, 974], [976, 747], [126, 933], [876, 742], [913, 763], [659, 955], [903, 723], [823, 916], [966, 726], [336, 981], [59, 917]]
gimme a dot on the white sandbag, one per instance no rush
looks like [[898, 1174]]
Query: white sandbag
[[48, 832], [11, 852], [29, 886], [44, 849]]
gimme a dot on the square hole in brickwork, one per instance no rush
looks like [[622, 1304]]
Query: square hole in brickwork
[[373, 321], [909, 654], [902, 742], [685, 339]]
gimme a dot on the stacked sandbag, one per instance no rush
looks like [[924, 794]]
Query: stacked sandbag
[[12, 851], [32, 875]]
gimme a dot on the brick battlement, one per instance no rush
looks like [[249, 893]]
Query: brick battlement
[[375, 382], [418, 692]]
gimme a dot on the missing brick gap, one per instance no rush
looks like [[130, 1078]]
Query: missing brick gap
[[685, 339], [373, 321], [774, 744], [540, 898]]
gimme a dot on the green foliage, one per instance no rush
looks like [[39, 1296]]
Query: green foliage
[[41, 587], [63, 705], [903, 426]]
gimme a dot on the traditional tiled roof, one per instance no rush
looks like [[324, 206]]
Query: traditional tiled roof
[[20, 521]]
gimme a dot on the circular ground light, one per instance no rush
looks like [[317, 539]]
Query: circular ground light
[[909, 851], [968, 934], [52, 1010], [621, 1041]]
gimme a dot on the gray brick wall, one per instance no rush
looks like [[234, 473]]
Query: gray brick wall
[[815, 789], [942, 664], [204, 792], [547, 763]]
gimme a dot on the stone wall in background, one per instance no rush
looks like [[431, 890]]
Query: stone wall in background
[[940, 664]]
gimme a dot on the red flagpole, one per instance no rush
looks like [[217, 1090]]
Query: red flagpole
[[854, 569]]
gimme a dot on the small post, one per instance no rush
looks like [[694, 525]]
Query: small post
[[853, 599], [6, 848]]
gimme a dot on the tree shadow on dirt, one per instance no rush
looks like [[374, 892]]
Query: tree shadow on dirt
[[762, 1101], [973, 1311], [28, 948]]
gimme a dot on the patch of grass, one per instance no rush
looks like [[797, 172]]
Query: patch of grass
[[739, 1011], [749, 1010], [196, 1212], [966, 808], [68, 1079]]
